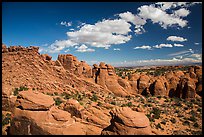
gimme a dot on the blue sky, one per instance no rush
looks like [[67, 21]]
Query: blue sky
[[118, 33]]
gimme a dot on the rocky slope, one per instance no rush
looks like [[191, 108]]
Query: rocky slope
[[42, 96]]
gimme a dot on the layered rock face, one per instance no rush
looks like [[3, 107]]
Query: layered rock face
[[66, 71], [79, 68], [37, 115], [108, 79], [127, 122], [26, 67]]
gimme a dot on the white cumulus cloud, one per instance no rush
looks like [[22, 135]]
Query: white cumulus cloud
[[84, 48], [176, 38], [59, 45], [178, 45], [182, 12], [67, 24], [163, 45], [117, 49], [102, 34], [156, 15], [134, 19], [143, 47]]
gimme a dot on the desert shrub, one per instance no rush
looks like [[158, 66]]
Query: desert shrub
[[50, 94], [196, 132], [176, 111], [199, 110], [151, 119], [6, 119], [55, 93], [192, 118], [192, 112], [15, 92], [195, 124], [58, 101], [65, 95], [158, 126], [94, 98], [99, 104], [159, 97], [21, 88], [81, 103], [149, 105], [129, 104], [186, 108], [156, 112], [190, 104], [186, 122], [163, 122], [173, 120], [78, 97], [113, 103]]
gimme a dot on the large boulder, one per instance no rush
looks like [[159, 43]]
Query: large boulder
[[127, 122], [73, 107], [96, 116], [52, 122], [30, 100]]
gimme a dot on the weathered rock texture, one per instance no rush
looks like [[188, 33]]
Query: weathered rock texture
[[128, 122]]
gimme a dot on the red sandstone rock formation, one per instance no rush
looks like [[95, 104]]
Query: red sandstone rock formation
[[128, 122]]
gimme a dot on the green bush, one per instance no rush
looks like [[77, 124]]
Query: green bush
[[199, 110], [99, 104], [173, 120], [158, 125], [78, 97], [6, 119], [129, 104], [55, 93], [186, 122], [192, 118], [94, 98], [195, 124], [58, 101], [16, 90], [65, 95], [159, 97], [113, 103], [50, 94], [156, 112]]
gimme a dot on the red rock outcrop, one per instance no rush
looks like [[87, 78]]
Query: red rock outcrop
[[127, 122], [45, 119], [46, 57], [143, 84], [34, 100]]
